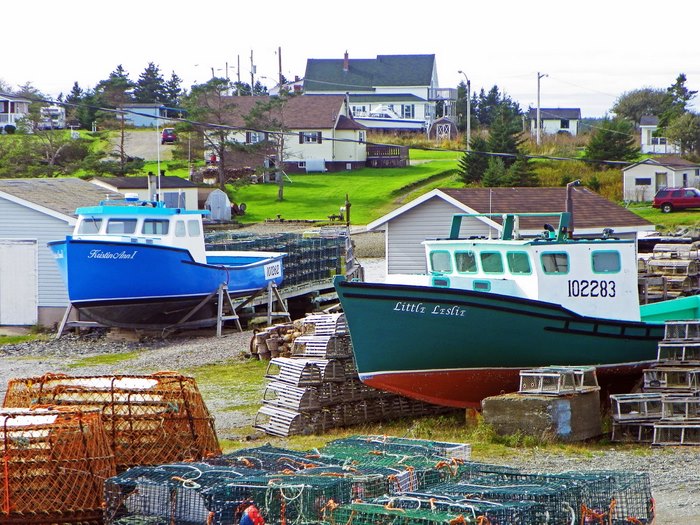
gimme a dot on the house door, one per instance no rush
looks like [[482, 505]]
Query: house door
[[18, 282], [661, 181]]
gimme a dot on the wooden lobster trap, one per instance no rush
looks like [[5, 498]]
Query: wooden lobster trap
[[55, 461], [149, 419]]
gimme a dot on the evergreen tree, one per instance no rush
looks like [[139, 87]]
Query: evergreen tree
[[150, 87], [521, 173], [74, 99], [504, 135], [173, 90], [473, 163], [677, 98], [614, 139], [495, 174]]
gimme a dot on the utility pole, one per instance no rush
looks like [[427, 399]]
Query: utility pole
[[238, 68], [469, 111], [539, 76], [252, 74], [279, 56]]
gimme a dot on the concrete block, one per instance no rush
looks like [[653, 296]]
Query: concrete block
[[574, 417]]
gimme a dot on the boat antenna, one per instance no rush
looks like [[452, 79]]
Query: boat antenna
[[570, 204], [490, 210]]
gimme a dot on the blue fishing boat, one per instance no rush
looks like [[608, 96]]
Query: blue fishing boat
[[132, 263]]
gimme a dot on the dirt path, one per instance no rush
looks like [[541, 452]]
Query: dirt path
[[145, 144]]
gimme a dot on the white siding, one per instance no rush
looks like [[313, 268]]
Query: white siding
[[659, 177], [19, 222], [405, 233]]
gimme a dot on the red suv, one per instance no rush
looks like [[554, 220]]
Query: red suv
[[669, 199], [168, 136]]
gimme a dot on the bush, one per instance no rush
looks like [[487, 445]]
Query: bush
[[9, 129]]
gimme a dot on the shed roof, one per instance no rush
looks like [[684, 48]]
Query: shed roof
[[364, 74], [141, 183], [649, 120], [591, 211], [57, 197], [556, 113]]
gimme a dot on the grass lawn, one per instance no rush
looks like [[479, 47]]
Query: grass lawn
[[372, 192], [667, 221]]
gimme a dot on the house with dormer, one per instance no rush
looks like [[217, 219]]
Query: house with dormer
[[388, 93], [555, 120], [12, 109], [319, 134], [650, 142]]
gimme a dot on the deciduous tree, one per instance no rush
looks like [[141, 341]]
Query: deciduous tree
[[633, 105]]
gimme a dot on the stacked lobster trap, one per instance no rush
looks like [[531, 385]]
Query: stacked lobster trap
[[314, 386], [54, 463], [148, 419], [667, 412], [673, 270]]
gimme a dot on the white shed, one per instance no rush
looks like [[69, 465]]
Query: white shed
[[32, 213], [430, 217], [643, 179]]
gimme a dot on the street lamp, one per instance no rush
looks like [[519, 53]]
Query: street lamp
[[538, 123], [469, 109]]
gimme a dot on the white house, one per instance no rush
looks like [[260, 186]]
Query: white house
[[389, 92], [32, 213], [320, 134], [555, 120], [12, 109], [430, 216], [643, 179], [175, 192], [651, 144]]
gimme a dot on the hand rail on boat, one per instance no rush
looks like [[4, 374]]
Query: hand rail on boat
[[509, 227]]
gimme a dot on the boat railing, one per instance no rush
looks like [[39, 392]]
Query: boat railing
[[510, 226]]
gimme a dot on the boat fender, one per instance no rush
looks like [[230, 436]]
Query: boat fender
[[252, 516]]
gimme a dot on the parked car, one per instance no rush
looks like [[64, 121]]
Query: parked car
[[168, 136], [669, 199]]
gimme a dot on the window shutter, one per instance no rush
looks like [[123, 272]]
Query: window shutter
[[320, 136], [301, 137], [247, 137]]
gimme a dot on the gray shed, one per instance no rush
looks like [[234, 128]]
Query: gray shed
[[219, 205], [32, 213]]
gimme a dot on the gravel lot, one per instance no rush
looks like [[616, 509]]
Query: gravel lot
[[675, 472]]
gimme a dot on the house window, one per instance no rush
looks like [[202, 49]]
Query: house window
[[359, 110], [253, 137], [361, 136], [642, 181], [310, 137], [564, 123], [408, 111]]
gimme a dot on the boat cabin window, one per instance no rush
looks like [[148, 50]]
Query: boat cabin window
[[155, 227], [518, 263], [90, 225], [491, 262], [555, 262], [606, 262], [440, 262], [180, 229], [193, 228], [465, 262], [121, 226]]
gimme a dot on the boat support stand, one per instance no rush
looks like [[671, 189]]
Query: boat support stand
[[65, 323]]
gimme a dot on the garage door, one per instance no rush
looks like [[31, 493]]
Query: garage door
[[18, 282]]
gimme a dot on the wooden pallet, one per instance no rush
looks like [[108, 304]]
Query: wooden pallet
[[636, 407]]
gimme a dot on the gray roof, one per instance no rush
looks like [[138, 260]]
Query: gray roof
[[649, 120], [556, 113], [141, 183], [60, 195], [364, 74], [385, 97]]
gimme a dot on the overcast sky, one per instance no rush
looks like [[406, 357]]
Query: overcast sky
[[592, 51]]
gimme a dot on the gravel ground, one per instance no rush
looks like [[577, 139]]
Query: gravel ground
[[674, 471]]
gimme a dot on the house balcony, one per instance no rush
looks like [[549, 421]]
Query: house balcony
[[442, 94], [386, 156], [11, 118]]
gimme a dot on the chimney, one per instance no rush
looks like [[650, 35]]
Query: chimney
[[346, 62]]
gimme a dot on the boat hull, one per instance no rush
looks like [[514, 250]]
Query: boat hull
[[141, 285], [456, 347]]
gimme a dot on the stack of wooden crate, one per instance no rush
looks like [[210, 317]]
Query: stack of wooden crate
[[673, 270], [317, 388], [667, 412]]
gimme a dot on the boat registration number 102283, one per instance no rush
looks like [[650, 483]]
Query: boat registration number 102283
[[591, 288], [273, 270]]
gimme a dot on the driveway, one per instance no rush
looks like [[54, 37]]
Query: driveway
[[145, 144]]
